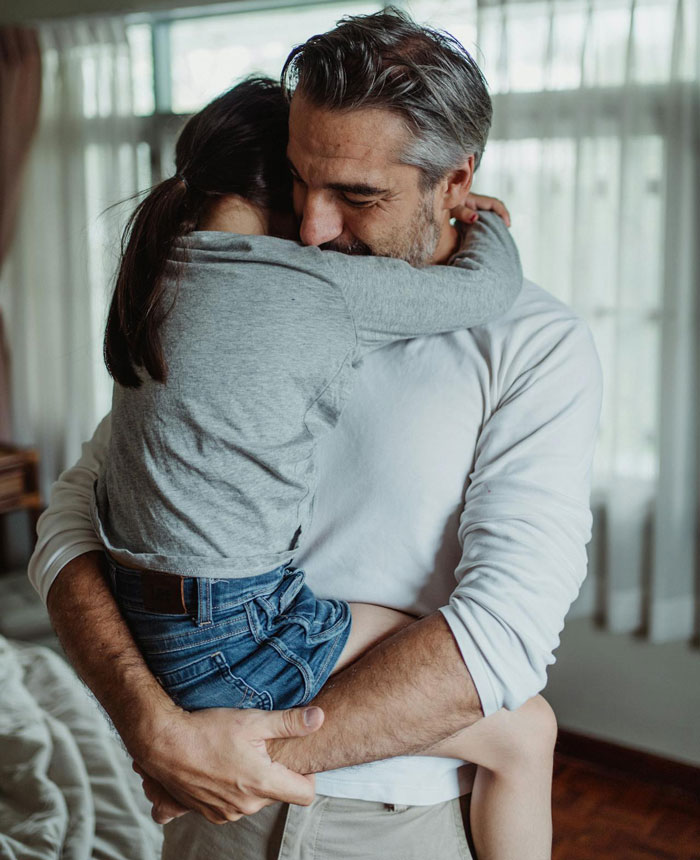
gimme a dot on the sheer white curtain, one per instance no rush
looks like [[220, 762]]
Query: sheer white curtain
[[595, 148], [56, 283]]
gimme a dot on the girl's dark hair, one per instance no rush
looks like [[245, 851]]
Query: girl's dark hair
[[235, 145]]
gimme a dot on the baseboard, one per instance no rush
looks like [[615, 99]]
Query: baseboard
[[641, 765]]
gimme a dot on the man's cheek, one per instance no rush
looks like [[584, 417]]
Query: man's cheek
[[364, 223], [373, 226]]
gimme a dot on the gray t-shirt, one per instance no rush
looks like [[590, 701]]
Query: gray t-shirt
[[213, 473]]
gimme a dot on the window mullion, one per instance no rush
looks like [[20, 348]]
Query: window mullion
[[162, 67]]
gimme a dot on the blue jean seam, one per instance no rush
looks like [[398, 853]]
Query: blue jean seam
[[228, 673], [204, 618], [137, 608], [315, 638], [200, 659], [253, 623], [280, 647], [300, 664], [143, 641], [333, 654]]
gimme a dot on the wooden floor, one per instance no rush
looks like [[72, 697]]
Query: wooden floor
[[601, 814]]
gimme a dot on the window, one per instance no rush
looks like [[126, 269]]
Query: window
[[179, 64], [208, 55]]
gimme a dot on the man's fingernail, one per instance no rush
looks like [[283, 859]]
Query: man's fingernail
[[310, 716], [474, 217]]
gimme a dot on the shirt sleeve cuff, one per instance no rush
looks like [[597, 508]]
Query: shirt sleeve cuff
[[43, 569], [473, 659]]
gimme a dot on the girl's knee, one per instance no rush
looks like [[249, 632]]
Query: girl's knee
[[534, 731], [522, 741]]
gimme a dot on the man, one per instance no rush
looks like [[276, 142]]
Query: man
[[465, 455]]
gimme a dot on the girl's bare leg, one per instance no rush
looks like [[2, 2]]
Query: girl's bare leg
[[511, 810], [370, 624], [511, 804]]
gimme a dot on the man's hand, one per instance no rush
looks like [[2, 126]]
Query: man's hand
[[215, 762], [164, 807], [468, 212]]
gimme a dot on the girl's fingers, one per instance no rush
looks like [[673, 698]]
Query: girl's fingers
[[492, 204], [465, 214]]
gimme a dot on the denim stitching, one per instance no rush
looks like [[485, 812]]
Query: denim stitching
[[189, 627], [257, 697], [254, 623], [168, 672], [324, 672], [292, 658], [334, 654], [204, 603], [143, 641], [326, 634]]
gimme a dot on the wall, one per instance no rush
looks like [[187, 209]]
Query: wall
[[624, 690]]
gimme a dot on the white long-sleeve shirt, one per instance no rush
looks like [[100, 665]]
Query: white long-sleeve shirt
[[457, 479]]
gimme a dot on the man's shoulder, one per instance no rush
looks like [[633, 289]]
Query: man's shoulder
[[537, 335], [535, 306], [536, 320]]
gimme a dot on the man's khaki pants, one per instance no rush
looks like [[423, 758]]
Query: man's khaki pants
[[331, 828]]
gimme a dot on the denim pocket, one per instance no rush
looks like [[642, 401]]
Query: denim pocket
[[209, 682]]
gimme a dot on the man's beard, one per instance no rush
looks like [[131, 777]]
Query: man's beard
[[416, 245]]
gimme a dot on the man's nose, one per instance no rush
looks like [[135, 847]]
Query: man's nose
[[321, 220]]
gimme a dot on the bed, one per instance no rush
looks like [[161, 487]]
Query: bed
[[66, 786]]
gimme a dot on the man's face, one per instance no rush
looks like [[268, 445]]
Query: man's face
[[351, 194]]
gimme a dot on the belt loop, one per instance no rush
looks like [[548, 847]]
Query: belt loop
[[203, 601]]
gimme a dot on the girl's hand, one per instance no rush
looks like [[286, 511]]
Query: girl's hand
[[468, 212]]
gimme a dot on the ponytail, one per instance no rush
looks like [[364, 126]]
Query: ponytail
[[137, 311], [235, 145]]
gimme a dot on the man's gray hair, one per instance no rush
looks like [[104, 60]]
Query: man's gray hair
[[387, 61]]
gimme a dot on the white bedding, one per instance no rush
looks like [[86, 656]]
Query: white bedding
[[66, 786]]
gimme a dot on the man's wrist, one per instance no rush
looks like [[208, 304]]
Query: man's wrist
[[146, 721], [83, 611]]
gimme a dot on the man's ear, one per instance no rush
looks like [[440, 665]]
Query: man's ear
[[457, 184]]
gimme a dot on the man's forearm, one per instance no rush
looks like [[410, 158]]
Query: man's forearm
[[401, 697], [100, 647], [404, 695]]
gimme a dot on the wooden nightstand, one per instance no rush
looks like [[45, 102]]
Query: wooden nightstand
[[19, 486]]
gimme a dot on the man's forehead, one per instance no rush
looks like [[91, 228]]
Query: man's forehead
[[368, 139]]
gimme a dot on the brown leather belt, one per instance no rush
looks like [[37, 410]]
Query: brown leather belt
[[163, 592]]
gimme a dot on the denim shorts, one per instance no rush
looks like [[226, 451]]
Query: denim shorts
[[260, 642]]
